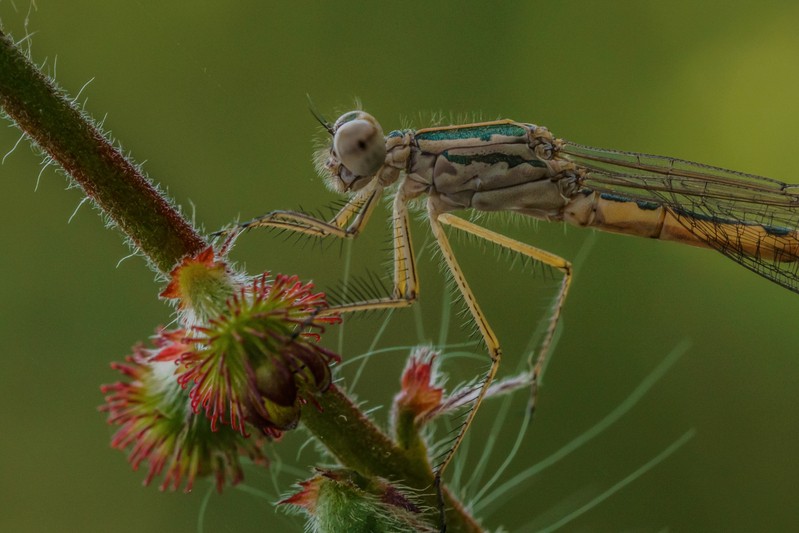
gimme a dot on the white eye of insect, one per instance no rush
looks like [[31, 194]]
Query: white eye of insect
[[359, 143]]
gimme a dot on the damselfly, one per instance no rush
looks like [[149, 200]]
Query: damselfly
[[522, 168]]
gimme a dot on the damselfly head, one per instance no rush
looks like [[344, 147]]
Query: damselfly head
[[357, 153]]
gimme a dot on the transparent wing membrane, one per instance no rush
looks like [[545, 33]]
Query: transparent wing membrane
[[750, 219]]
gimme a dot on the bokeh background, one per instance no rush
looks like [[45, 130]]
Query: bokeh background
[[212, 95]]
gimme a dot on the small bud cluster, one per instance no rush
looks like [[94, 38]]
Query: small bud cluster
[[246, 357]]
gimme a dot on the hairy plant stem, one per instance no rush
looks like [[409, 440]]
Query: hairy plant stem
[[45, 113], [357, 443], [52, 121]]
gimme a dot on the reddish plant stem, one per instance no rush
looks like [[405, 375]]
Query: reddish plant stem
[[45, 113], [54, 123]]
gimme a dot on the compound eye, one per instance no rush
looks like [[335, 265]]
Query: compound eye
[[359, 143]]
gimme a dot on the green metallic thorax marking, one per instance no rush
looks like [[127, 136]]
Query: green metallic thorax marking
[[482, 133], [491, 159]]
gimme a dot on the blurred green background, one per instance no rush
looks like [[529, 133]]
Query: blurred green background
[[213, 98]]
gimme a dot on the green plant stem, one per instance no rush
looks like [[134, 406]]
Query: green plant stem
[[54, 123], [358, 444]]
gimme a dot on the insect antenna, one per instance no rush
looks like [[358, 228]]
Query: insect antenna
[[318, 116]]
